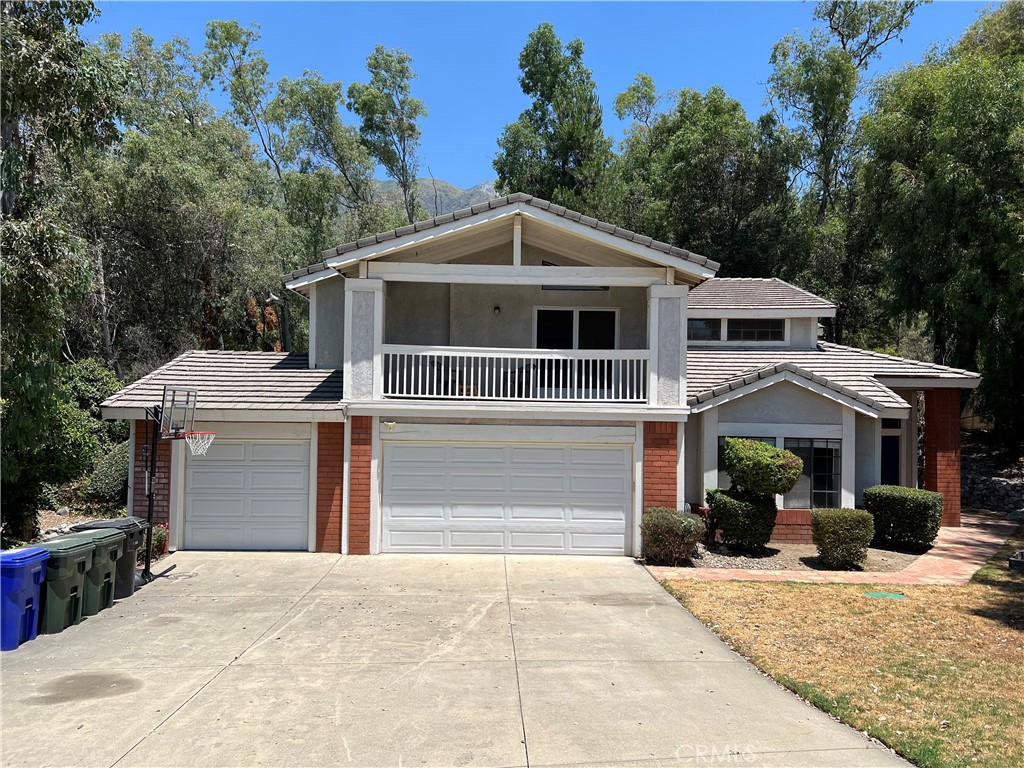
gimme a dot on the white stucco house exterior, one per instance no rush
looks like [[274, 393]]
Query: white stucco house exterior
[[518, 377]]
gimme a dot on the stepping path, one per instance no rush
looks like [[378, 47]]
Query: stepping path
[[957, 554]]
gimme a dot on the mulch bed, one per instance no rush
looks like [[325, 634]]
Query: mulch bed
[[794, 557]]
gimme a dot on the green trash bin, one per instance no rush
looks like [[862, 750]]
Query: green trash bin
[[101, 575], [61, 603]]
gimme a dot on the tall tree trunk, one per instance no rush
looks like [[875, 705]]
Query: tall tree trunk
[[101, 301]]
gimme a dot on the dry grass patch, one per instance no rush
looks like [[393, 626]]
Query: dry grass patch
[[938, 676]]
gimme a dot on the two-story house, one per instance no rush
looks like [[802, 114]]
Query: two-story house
[[518, 377]]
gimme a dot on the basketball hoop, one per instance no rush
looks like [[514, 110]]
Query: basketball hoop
[[198, 442]]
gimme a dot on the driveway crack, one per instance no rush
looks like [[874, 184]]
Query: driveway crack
[[515, 661]]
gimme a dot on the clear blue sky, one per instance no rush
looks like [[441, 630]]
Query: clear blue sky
[[466, 53]]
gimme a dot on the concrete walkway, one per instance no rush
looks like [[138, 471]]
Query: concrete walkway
[[303, 659], [958, 553]]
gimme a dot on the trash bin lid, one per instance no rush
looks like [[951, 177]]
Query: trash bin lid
[[65, 546], [126, 524], [100, 536], [17, 558]]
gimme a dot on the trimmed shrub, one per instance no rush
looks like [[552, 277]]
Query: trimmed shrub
[[670, 535], [109, 481], [904, 517], [842, 536], [746, 520], [761, 468]]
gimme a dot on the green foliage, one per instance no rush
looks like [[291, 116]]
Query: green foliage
[[761, 468], [557, 149], [159, 543], [745, 520], [945, 184], [109, 480], [669, 535], [842, 536], [904, 517], [390, 119]]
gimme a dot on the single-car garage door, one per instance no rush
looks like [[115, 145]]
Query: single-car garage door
[[248, 494], [506, 497]]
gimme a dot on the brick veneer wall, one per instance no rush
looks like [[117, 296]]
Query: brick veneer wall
[[359, 486], [162, 483], [330, 484], [793, 526], [660, 463], [942, 449]]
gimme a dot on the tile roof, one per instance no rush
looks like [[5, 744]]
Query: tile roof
[[240, 381], [858, 371], [501, 202], [753, 293]]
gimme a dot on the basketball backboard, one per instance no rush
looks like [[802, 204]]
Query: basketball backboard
[[177, 411]]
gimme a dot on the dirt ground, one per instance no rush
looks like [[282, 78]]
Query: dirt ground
[[797, 557]]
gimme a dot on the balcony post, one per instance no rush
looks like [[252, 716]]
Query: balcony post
[[666, 323], [364, 334]]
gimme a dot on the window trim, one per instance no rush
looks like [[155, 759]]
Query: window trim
[[576, 321], [724, 340]]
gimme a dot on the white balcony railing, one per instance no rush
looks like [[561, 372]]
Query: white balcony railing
[[474, 373]]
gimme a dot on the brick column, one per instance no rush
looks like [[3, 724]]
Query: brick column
[[359, 486], [942, 449], [330, 481], [162, 482], [660, 461]]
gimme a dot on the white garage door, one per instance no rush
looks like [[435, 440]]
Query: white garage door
[[248, 494], [506, 497]]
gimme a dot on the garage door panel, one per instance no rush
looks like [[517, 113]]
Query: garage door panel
[[597, 484], [477, 512], [533, 512], [506, 497], [278, 479], [415, 512], [248, 494], [477, 481], [477, 541]]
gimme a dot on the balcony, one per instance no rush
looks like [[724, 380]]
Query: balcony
[[521, 375]]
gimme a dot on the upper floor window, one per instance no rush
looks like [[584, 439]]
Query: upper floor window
[[699, 329], [747, 329]]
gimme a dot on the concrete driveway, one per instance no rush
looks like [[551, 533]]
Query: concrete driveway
[[304, 659]]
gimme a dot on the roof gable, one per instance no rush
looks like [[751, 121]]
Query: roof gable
[[484, 216]]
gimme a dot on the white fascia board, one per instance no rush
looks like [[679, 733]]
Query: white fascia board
[[812, 386], [238, 414], [615, 243], [763, 313], [376, 250], [480, 274], [464, 410], [298, 283], [926, 382]]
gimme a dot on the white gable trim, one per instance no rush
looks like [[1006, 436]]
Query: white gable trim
[[873, 412]]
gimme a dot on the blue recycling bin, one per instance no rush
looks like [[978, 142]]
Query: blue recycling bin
[[22, 572]]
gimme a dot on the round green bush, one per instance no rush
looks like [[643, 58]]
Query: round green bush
[[669, 535], [760, 467], [842, 536], [109, 481], [746, 520], [904, 517]]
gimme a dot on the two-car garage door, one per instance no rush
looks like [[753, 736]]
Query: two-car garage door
[[449, 496], [248, 494]]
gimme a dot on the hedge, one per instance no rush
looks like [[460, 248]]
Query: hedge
[[842, 536], [670, 535], [745, 520], [904, 517], [760, 467]]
